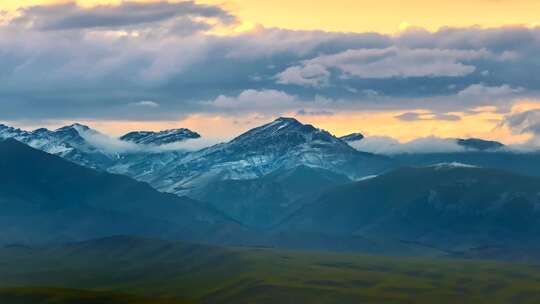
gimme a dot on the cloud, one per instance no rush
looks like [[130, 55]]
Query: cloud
[[415, 116], [64, 62], [70, 16], [376, 144], [113, 145], [410, 116], [195, 144], [480, 90], [524, 122], [106, 143], [314, 75], [258, 101], [384, 63], [389, 146], [146, 104]]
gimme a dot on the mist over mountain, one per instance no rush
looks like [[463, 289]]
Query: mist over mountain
[[282, 144], [67, 142], [390, 146]]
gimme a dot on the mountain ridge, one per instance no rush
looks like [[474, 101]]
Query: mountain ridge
[[65, 201], [281, 144], [160, 137], [453, 208]]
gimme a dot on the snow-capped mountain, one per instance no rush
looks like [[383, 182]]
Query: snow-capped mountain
[[68, 142], [281, 144], [160, 138]]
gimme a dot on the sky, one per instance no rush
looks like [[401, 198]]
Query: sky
[[383, 68]]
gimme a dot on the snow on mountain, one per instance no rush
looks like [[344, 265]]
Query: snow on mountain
[[9, 132], [283, 143], [68, 142], [160, 138]]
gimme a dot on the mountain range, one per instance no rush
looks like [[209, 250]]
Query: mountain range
[[85, 146], [283, 184], [280, 145], [451, 207]]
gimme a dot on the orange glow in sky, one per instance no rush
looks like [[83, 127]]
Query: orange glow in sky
[[389, 16], [386, 16], [483, 124]]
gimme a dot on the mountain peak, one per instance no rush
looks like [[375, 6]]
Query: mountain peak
[[282, 122], [3, 126], [287, 119], [352, 137], [76, 126], [7, 132], [288, 128], [285, 135], [41, 131], [160, 138]]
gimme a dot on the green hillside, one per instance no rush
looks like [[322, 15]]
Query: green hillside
[[173, 272], [75, 296]]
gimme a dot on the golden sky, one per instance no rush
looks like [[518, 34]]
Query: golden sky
[[482, 123], [386, 16]]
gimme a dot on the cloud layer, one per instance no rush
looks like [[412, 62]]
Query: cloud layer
[[158, 61], [387, 145]]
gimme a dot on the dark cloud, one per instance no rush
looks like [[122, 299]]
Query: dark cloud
[[71, 16], [410, 116], [524, 122]]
